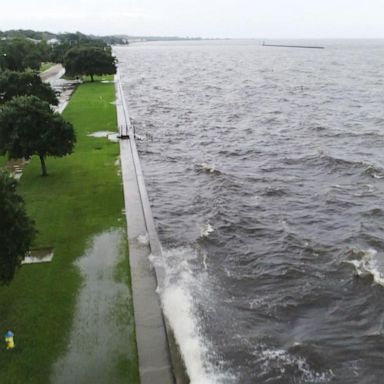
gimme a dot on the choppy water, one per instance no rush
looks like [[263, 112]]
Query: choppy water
[[265, 169]]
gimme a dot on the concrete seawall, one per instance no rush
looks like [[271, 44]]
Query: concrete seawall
[[159, 358]]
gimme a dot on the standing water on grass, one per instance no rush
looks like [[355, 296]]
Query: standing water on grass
[[100, 345], [265, 170]]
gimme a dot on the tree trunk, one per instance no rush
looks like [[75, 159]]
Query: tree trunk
[[43, 166], [91, 77]]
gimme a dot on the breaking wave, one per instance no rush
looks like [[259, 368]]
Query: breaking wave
[[374, 172], [368, 264], [278, 362], [179, 304], [205, 230], [207, 168]]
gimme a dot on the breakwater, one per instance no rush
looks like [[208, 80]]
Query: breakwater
[[293, 46]]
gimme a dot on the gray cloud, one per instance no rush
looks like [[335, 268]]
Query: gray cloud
[[206, 18]]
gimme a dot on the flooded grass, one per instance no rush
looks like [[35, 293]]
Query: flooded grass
[[81, 197], [97, 350]]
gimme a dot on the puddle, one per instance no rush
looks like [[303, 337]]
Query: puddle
[[102, 324], [39, 255], [111, 136]]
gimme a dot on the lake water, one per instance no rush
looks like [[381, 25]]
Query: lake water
[[265, 171]]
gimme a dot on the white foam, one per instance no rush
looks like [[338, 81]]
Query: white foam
[[208, 168], [143, 239], [205, 230], [205, 260], [179, 309], [177, 304], [370, 264], [283, 360], [372, 171], [155, 261], [139, 137]]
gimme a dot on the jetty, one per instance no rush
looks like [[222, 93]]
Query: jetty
[[293, 46]]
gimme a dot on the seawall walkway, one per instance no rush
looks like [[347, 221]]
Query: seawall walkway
[[152, 343]]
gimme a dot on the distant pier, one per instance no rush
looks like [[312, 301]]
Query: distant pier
[[292, 46]]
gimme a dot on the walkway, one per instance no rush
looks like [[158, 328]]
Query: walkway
[[152, 345], [63, 87]]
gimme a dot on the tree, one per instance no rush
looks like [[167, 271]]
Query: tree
[[17, 231], [29, 127], [89, 61], [14, 83], [19, 54], [74, 40]]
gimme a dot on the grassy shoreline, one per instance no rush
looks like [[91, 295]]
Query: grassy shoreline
[[81, 197]]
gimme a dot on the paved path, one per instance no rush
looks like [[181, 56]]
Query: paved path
[[53, 73], [64, 88]]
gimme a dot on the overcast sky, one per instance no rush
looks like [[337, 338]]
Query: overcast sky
[[205, 18]]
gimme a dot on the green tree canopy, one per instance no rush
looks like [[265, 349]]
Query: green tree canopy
[[29, 127], [89, 61], [14, 83], [19, 54], [69, 41], [17, 231]]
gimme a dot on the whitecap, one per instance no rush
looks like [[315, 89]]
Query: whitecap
[[205, 230], [139, 137], [374, 172], [207, 168], [369, 264], [279, 358]]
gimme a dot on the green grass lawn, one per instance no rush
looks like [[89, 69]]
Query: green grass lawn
[[81, 197]]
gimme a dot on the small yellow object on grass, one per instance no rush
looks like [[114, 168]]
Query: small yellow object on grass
[[9, 341]]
